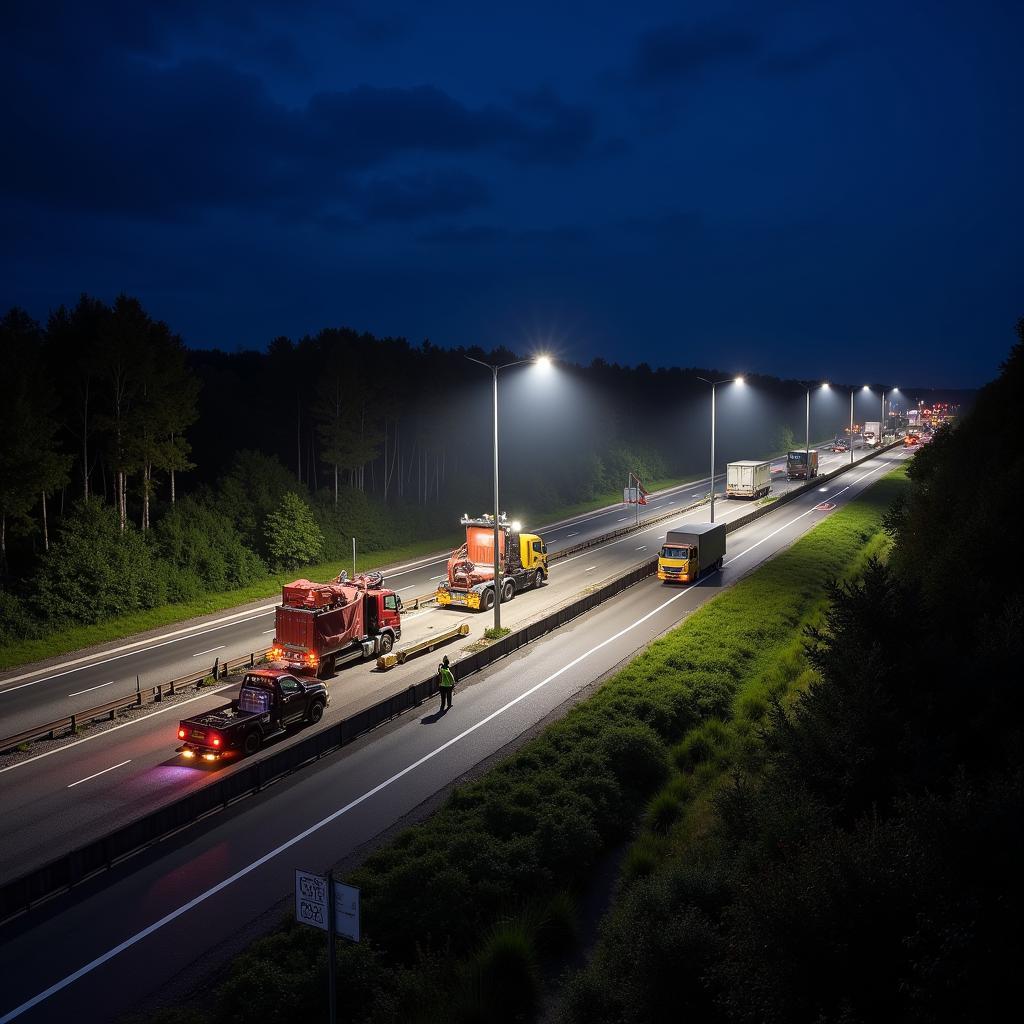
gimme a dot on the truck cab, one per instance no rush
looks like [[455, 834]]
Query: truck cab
[[691, 551], [674, 562]]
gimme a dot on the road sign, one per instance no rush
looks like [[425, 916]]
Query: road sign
[[346, 910], [311, 900]]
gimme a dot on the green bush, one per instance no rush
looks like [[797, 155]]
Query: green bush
[[292, 534]]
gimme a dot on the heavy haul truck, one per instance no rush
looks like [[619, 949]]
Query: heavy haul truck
[[523, 564], [802, 465], [691, 551], [748, 478], [319, 626]]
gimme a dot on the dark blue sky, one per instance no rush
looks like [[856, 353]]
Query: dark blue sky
[[791, 188]]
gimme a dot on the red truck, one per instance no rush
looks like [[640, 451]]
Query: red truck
[[319, 626]]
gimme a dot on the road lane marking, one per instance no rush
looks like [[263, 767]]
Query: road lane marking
[[98, 774], [410, 587], [113, 728], [174, 639], [98, 686], [185, 908], [210, 651], [642, 547], [576, 534], [591, 569], [267, 631]]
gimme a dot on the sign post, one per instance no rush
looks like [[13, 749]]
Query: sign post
[[332, 907]]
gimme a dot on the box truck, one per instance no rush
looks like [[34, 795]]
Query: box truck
[[749, 478], [691, 551], [802, 465]]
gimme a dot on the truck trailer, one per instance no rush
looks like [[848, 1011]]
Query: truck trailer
[[522, 557], [691, 551], [749, 478], [801, 464], [319, 626]]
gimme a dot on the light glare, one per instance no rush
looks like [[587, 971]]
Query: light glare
[[740, 380], [544, 362]]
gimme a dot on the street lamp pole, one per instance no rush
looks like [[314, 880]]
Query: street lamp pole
[[851, 426], [714, 384], [494, 368]]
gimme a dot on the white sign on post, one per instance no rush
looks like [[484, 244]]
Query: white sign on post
[[346, 910], [311, 900]]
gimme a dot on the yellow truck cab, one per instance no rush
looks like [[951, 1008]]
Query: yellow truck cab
[[523, 561], [691, 551]]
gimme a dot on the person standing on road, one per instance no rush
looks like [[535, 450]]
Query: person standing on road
[[445, 683]]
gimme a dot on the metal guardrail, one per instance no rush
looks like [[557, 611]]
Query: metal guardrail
[[142, 696], [21, 894]]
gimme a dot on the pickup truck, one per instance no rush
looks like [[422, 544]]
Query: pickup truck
[[269, 701]]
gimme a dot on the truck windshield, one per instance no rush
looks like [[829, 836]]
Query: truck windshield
[[673, 552]]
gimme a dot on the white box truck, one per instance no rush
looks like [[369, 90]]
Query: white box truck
[[749, 478]]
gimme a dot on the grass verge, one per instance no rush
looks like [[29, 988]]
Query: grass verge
[[463, 911]]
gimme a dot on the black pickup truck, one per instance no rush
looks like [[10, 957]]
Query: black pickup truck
[[269, 701]]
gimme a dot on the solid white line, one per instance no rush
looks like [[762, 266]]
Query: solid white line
[[266, 632], [123, 725], [576, 534], [410, 587], [288, 844], [591, 569], [641, 548], [128, 654], [98, 774], [199, 654], [98, 686]]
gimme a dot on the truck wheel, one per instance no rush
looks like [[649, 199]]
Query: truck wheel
[[386, 642], [251, 744], [508, 591], [487, 600], [719, 564], [316, 712], [538, 580]]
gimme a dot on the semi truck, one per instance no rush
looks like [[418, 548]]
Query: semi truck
[[873, 433], [801, 464], [320, 626], [268, 702], [748, 478], [691, 551], [522, 557]]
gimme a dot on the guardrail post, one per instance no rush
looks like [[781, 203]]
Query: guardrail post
[[138, 692], [216, 668], [172, 687], [158, 693], [252, 660], [74, 726]]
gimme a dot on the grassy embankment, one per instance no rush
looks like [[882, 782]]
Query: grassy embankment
[[463, 911]]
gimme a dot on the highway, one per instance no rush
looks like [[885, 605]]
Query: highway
[[55, 801], [108, 946]]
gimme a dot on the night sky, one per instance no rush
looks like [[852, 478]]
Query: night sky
[[798, 189]]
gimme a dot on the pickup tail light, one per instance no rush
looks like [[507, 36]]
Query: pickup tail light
[[181, 734], [216, 741]]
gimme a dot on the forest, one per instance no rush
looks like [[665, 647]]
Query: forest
[[136, 472]]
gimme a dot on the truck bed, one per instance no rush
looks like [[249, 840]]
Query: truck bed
[[222, 719]]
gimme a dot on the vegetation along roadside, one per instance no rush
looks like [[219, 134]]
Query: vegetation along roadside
[[489, 885]]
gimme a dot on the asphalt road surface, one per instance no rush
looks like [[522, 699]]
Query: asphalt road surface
[[59, 799], [101, 950]]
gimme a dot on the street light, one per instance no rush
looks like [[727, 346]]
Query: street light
[[544, 362], [714, 384], [807, 423], [881, 426]]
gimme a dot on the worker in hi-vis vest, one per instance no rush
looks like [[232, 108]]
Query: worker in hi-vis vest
[[445, 683]]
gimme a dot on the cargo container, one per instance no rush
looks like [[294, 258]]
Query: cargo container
[[522, 557], [802, 465], [749, 478], [691, 551], [319, 626]]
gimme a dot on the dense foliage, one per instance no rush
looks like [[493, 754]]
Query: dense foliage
[[865, 864]]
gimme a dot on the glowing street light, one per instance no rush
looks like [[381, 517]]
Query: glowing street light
[[714, 384], [807, 421], [544, 362]]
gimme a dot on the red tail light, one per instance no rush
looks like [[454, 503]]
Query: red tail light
[[216, 741], [181, 734]]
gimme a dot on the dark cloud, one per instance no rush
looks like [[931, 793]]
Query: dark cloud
[[414, 197], [676, 52], [810, 58]]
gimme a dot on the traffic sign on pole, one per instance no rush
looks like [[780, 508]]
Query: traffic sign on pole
[[346, 910], [311, 900]]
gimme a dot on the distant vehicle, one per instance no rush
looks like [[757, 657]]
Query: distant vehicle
[[872, 433], [911, 440], [318, 626], [269, 701], [748, 478], [802, 465], [691, 551], [839, 445], [523, 559]]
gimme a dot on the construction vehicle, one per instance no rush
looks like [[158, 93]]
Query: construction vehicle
[[319, 626], [269, 701], [748, 478], [801, 464], [522, 564], [691, 551]]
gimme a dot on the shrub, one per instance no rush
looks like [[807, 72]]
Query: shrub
[[293, 537]]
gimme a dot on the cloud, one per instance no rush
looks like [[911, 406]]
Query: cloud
[[415, 197], [677, 52]]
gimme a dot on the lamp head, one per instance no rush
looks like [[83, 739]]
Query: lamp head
[[543, 361], [865, 388], [740, 380], [826, 386]]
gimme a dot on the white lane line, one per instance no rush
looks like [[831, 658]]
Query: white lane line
[[98, 774], [113, 728], [135, 939], [410, 587], [92, 664], [624, 519], [576, 534], [642, 547], [199, 654], [267, 632], [591, 569], [98, 686]]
